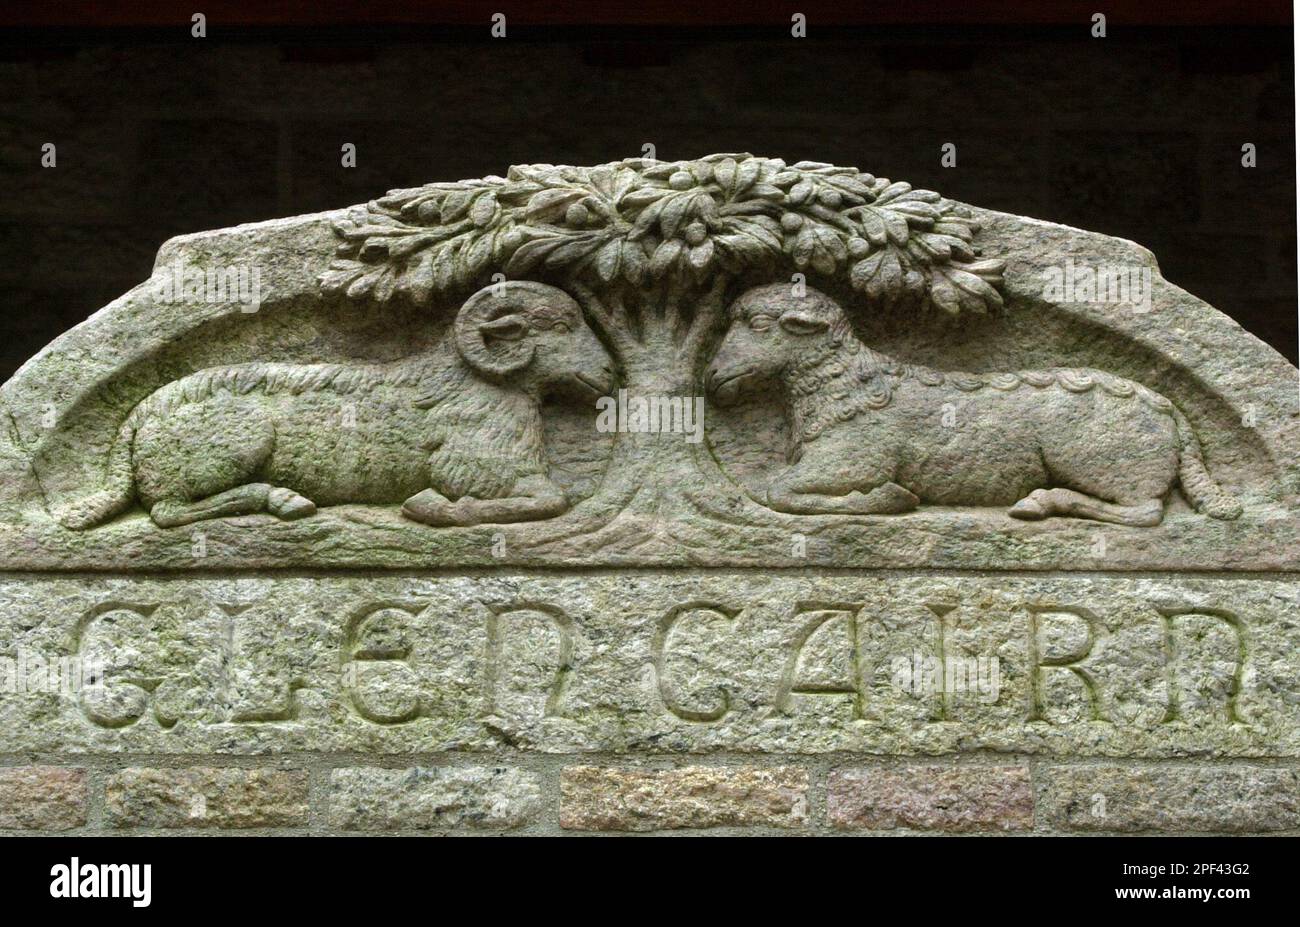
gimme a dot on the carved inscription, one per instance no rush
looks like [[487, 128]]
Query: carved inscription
[[695, 661], [218, 661], [824, 656], [1190, 636], [1060, 639], [511, 662], [380, 684]]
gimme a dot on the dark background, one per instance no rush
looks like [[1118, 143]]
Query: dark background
[[1138, 134]]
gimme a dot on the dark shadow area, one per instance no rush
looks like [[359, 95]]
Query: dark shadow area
[[1139, 134]]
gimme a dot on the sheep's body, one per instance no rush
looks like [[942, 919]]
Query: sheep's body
[[328, 445], [334, 434], [871, 435], [993, 441], [328, 433], [455, 434], [1001, 445]]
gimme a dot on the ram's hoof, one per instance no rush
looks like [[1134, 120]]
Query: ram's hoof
[[289, 505], [431, 508], [891, 499], [1029, 508]]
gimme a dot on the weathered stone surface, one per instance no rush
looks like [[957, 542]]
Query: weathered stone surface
[[880, 663], [602, 798], [933, 480], [1051, 358], [944, 798], [1214, 799], [206, 797], [422, 798], [42, 797]]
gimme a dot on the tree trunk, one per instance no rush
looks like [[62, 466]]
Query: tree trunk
[[659, 491]]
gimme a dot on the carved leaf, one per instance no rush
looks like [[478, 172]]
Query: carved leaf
[[549, 204], [573, 248], [476, 256], [622, 223], [532, 253], [954, 289], [420, 279], [665, 256], [609, 259], [879, 276], [634, 262]]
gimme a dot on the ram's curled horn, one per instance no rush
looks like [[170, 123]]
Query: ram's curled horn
[[483, 337]]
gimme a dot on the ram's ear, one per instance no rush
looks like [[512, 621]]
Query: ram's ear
[[803, 323], [506, 328]]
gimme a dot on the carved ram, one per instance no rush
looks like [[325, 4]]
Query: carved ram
[[868, 434], [453, 434]]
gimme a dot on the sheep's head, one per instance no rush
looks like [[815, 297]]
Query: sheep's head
[[773, 330], [533, 337]]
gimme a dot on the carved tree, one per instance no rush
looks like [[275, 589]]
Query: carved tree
[[654, 250]]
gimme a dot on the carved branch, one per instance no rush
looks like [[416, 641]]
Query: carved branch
[[610, 316], [618, 310], [708, 312], [672, 223]]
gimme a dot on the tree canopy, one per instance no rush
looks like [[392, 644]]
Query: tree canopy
[[640, 221]]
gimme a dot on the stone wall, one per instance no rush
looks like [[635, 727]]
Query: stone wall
[[607, 794], [539, 704], [1138, 135]]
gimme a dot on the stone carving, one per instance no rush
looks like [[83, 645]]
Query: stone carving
[[751, 661], [364, 530], [867, 435], [381, 389], [459, 423], [654, 251]]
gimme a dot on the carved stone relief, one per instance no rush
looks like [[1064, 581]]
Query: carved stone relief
[[461, 420], [657, 363], [725, 458], [1058, 441], [659, 662]]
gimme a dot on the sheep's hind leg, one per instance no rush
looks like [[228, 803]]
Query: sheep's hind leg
[[430, 507], [533, 498], [242, 500], [288, 505], [885, 499], [1043, 503]]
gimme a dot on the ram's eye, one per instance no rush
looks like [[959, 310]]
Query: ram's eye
[[761, 323], [563, 329]]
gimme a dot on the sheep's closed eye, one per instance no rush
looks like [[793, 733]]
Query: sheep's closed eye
[[761, 323], [800, 323]]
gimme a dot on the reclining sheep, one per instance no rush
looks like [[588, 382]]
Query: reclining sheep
[[868, 434], [454, 434]]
